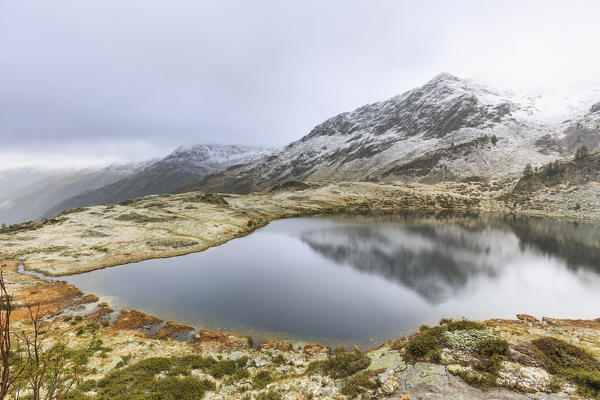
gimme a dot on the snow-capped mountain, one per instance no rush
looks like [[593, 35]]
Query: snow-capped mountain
[[183, 166], [212, 156], [32, 200], [447, 128]]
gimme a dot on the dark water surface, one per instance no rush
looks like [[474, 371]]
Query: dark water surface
[[361, 280]]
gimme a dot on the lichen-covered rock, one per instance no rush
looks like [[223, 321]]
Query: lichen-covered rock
[[389, 383], [466, 340], [531, 379], [386, 358], [434, 382]]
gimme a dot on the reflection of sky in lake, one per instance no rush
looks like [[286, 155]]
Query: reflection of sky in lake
[[354, 279]]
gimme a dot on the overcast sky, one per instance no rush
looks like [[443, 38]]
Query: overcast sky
[[87, 81]]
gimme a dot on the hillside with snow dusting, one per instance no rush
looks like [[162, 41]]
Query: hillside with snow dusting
[[183, 166], [449, 128]]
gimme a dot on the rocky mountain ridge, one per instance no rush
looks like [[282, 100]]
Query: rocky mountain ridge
[[447, 128], [181, 167]]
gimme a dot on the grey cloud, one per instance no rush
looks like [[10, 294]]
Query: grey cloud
[[181, 72]]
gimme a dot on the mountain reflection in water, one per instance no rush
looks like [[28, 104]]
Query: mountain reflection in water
[[343, 280], [437, 255]]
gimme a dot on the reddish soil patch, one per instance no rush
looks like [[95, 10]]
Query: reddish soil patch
[[213, 341], [101, 313], [316, 349], [175, 331], [52, 298], [135, 320], [275, 344]]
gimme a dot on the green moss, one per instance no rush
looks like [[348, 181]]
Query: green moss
[[340, 366], [211, 198], [588, 382], [74, 210], [135, 217], [278, 359], [464, 325], [425, 343], [217, 369], [270, 395], [491, 347], [568, 361], [559, 354], [138, 381], [171, 243], [262, 379], [360, 383]]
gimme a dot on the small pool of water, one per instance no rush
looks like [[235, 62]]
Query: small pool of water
[[361, 280]]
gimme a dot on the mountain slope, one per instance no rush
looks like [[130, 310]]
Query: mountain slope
[[181, 167], [447, 128], [30, 202]]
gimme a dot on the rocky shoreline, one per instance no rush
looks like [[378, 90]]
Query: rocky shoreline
[[164, 226], [86, 239]]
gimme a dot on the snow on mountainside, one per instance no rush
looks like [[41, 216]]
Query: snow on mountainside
[[447, 128], [183, 166], [213, 156]]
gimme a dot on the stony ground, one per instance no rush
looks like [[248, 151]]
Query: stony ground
[[162, 226]]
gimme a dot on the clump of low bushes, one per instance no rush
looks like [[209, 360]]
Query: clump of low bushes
[[341, 365], [567, 361], [139, 381]]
